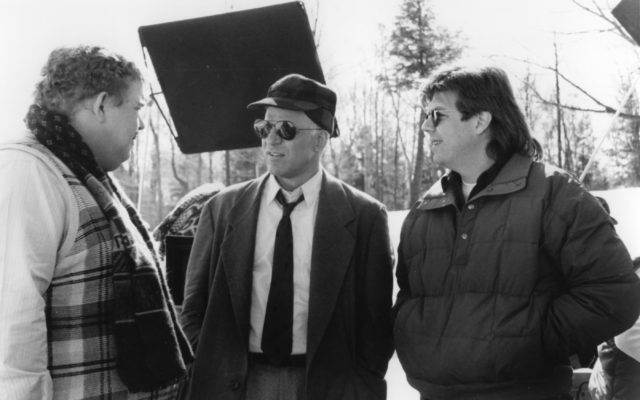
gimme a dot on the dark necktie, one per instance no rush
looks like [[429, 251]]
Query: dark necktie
[[277, 332]]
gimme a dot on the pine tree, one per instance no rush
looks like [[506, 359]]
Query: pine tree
[[419, 46]]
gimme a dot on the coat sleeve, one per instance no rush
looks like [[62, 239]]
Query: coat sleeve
[[602, 296], [375, 341], [196, 292], [35, 224], [629, 340], [402, 276]]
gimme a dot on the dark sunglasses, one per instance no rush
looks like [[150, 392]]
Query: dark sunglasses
[[285, 129], [435, 117]]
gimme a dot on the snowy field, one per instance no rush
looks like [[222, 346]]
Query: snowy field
[[625, 208]]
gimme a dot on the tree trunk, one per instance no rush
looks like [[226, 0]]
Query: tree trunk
[[156, 178], [416, 182], [366, 123], [184, 185], [396, 177], [558, 108], [377, 148], [635, 146], [210, 166], [199, 171], [227, 168], [334, 160]]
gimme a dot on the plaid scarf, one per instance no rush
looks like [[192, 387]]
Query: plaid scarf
[[152, 351]]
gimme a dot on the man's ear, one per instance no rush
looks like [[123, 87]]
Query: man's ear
[[98, 104], [321, 141], [483, 121]]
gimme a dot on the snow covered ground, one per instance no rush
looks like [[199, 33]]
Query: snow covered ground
[[625, 208]]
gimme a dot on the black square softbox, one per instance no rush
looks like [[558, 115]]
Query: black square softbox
[[627, 12], [210, 68]]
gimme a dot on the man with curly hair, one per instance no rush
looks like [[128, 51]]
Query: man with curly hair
[[84, 308]]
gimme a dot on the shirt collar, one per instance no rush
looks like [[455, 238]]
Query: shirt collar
[[310, 189], [454, 180]]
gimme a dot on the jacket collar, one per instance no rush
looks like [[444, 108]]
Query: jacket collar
[[237, 249], [511, 178]]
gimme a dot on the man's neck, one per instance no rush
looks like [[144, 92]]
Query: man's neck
[[291, 184], [471, 174]]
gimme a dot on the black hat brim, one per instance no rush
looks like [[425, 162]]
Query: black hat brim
[[281, 102]]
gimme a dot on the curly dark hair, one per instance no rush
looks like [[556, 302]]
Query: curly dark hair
[[73, 74], [487, 89]]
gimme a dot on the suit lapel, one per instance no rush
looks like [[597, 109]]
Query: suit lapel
[[237, 251], [333, 243]]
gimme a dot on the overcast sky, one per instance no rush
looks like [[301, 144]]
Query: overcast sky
[[349, 30]]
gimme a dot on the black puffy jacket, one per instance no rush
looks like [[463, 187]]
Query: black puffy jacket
[[496, 295]]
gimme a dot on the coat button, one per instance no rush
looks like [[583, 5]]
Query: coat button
[[464, 236], [234, 385], [471, 206]]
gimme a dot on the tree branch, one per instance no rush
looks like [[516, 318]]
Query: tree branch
[[564, 78], [601, 14], [182, 182], [606, 109]]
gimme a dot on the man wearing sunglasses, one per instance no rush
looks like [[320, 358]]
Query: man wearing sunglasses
[[288, 292], [506, 267]]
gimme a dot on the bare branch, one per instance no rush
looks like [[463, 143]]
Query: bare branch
[[184, 185], [605, 107], [604, 110], [315, 30], [607, 110], [578, 87], [564, 78], [585, 8], [588, 32], [600, 13]]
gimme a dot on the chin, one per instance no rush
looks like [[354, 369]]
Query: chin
[[113, 165], [110, 168], [274, 169]]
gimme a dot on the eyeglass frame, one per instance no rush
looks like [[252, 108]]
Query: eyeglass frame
[[435, 116], [270, 125]]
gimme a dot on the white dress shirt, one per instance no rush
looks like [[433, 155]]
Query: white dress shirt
[[303, 220]]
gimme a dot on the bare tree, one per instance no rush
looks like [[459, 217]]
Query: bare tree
[[182, 182], [609, 25], [558, 103], [156, 177]]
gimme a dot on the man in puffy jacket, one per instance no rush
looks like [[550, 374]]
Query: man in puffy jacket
[[506, 266]]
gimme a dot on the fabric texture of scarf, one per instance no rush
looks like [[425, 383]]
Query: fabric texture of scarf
[[152, 351]]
